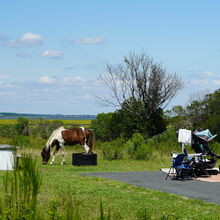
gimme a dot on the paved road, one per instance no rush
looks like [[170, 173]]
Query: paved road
[[196, 189]]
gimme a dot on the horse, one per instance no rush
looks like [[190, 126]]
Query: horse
[[61, 137]]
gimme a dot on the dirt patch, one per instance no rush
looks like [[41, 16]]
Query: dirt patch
[[211, 178]]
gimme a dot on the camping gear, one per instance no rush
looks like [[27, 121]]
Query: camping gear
[[182, 167], [185, 166], [208, 158]]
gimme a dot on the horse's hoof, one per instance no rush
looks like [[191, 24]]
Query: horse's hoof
[[51, 163], [63, 163]]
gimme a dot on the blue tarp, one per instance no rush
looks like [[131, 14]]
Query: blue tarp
[[206, 135]]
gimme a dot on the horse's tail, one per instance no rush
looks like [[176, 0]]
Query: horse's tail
[[89, 140], [56, 135]]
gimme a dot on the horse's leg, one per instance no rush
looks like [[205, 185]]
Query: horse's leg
[[63, 156], [89, 140], [87, 149], [54, 153]]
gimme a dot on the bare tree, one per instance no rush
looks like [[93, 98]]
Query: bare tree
[[139, 80]]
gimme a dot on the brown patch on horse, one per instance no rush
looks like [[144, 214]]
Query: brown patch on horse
[[74, 136]]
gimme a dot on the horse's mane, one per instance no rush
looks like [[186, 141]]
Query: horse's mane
[[55, 135]]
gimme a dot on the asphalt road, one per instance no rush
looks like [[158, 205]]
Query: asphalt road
[[195, 189]]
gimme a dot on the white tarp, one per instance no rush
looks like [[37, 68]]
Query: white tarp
[[7, 158], [185, 136]]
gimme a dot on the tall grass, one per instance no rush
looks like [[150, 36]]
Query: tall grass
[[21, 187]]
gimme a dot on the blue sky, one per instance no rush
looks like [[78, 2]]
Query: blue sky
[[52, 52]]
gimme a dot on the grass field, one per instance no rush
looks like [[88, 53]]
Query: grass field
[[36, 121], [62, 183]]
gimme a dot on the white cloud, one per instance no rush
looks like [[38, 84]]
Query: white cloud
[[46, 80], [27, 39], [49, 94], [70, 80], [11, 43], [90, 40], [31, 39], [201, 82], [216, 82], [52, 54], [208, 74]]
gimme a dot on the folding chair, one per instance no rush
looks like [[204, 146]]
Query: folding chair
[[181, 168]]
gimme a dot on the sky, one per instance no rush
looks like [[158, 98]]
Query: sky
[[53, 52]]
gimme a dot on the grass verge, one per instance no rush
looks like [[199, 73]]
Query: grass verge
[[118, 200]]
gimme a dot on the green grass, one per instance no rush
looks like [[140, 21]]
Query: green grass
[[64, 182], [8, 121], [123, 200], [36, 121]]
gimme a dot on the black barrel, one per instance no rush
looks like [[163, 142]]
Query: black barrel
[[80, 159]]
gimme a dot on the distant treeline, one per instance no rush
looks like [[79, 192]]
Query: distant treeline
[[6, 115]]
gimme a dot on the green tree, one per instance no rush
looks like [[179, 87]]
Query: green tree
[[123, 123], [22, 126], [203, 112], [141, 88], [130, 123], [212, 117], [177, 117], [101, 126]]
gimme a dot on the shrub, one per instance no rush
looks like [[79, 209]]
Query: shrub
[[165, 142], [7, 131], [137, 148], [215, 147], [22, 126], [113, 150]]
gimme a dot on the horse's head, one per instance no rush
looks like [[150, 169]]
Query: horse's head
[[45, 154]]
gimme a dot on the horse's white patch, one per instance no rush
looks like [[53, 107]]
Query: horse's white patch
[[85, 145], [56, 135], [86, 148]]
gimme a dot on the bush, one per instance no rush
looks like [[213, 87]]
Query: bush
[[102, 127], [137, 148], [7, 131], [22, 126], [113, 150], [215, 147], [165, 142]]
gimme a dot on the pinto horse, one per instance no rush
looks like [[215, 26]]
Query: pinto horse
[[62, 136]]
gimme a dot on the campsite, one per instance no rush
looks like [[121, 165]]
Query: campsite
[[74, 191], [109, 110]]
